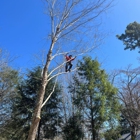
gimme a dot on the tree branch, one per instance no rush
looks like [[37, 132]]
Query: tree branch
[[50, 93], [60, 74]]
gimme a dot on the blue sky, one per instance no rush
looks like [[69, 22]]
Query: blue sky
[[23, 32], [112, 53]]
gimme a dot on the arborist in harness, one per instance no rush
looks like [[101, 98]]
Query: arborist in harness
[[68, 63]]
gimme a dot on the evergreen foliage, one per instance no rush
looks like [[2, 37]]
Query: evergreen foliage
[[95, 96], [73, 129], [112, 134], [124, 125], [131, 37], [8, 81], [24, 104], [115, 132]]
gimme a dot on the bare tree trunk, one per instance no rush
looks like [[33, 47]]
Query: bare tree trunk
[[37, 112], [39, 127], [36, 116]]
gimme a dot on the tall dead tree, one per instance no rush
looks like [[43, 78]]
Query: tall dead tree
[[129, 95], [69, 22]]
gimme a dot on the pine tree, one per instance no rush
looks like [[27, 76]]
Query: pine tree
[[131, 37], [124, 125], [8, 82], [112, 133], [94, 96], [73, 129], [24, 105]]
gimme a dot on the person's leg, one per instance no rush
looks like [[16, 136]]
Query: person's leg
[[66, 67], [70, 66]]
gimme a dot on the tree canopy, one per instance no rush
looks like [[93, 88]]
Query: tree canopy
[[94, 95], [24, 103], [131, 37]]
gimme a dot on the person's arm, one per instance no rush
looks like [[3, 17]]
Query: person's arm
[[73, 58]]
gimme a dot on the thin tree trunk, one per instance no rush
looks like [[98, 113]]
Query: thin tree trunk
[[93, 130], [92, 120], [133, 135]]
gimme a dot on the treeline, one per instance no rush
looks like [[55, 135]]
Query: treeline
[[96, 109], [92, 105]]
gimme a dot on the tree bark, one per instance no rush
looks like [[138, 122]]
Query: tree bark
[[37, 112], [36, 116], [133, 134], [39, 127], [93, 131], [92, 121]]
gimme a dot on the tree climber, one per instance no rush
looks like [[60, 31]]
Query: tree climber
[[68, 63]]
